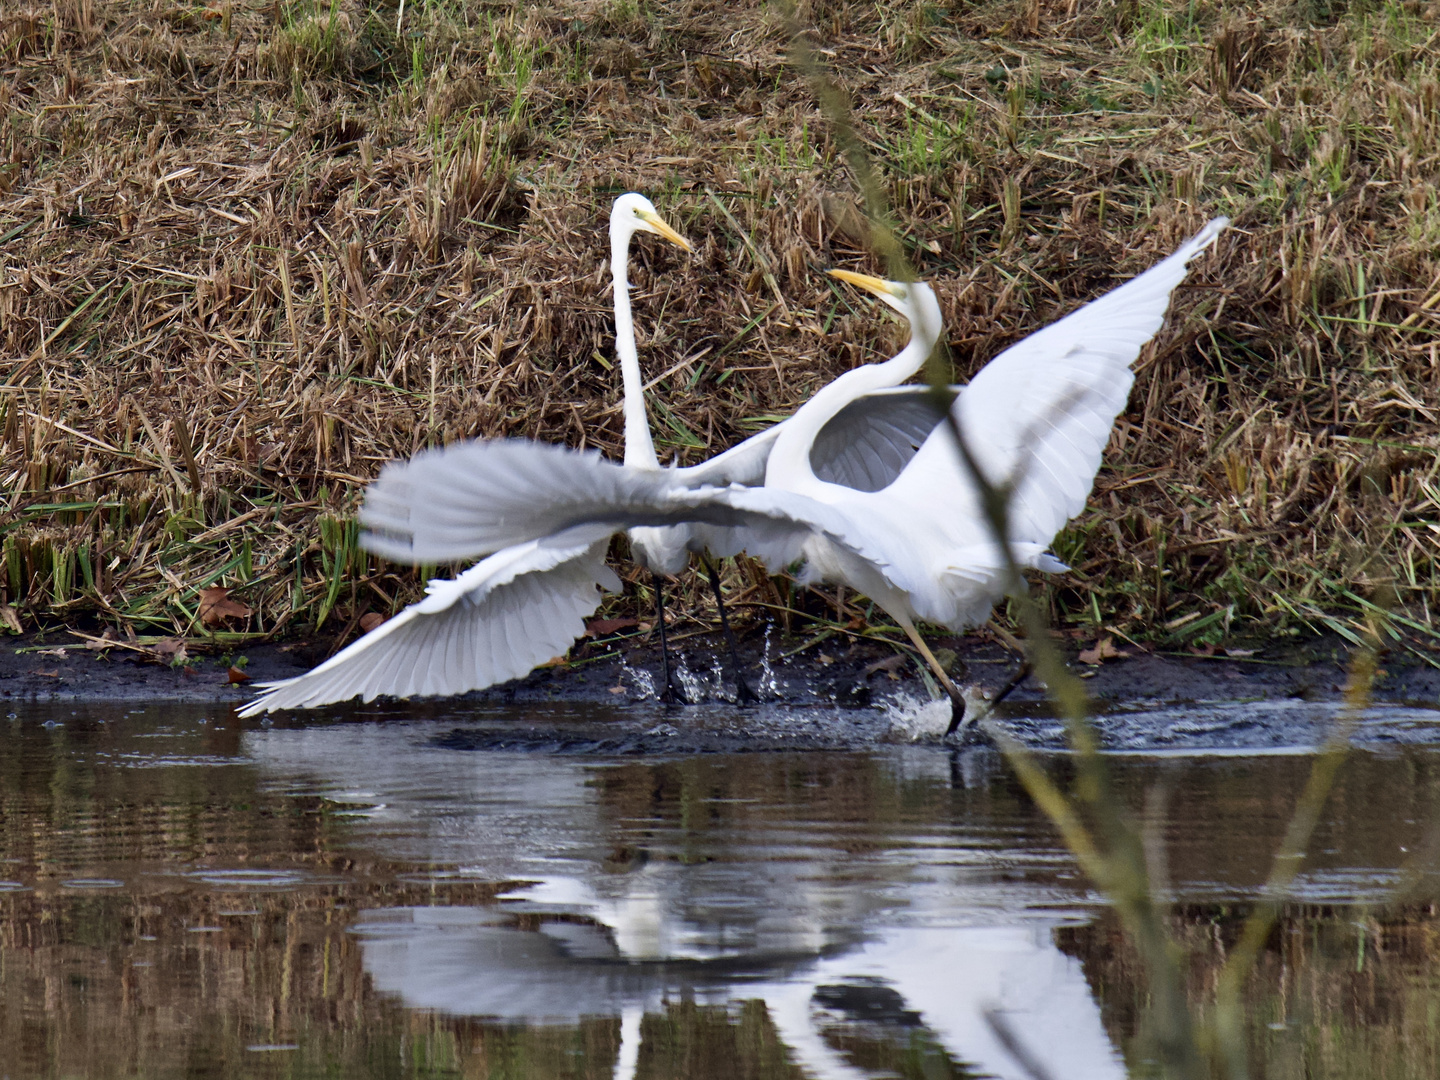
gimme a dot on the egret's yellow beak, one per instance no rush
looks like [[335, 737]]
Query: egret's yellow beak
[[656, 222], [886, 290]]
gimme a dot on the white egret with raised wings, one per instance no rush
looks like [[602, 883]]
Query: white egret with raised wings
[[1037, 418], [864, 448], [527, 603], [515, 609]]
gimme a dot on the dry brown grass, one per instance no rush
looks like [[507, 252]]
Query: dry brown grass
[[248, 253]]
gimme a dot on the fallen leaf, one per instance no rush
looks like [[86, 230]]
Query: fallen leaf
[[554, 661], [890, 665], [370, 620], [235, 676], [47, 674], [104, 641], [1203, 650], [216, 607], [824, 659], [1102, 650], [1240, 654], [10, 619], [617, 689], [61, 653], [170, 651], [601, 627]]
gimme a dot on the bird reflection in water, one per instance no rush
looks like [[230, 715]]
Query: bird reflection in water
[[840, 893], [991, 1000]]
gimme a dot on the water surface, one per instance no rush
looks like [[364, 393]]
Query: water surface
[[184, 895]]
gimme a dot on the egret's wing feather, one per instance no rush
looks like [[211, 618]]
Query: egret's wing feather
[[869, 442], [864, 446], [495, 622], [1042, 410], [743, 463], [571, 493], [471, 498]]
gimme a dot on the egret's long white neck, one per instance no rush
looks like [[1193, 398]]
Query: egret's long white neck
[[639, 447], [789, 463]]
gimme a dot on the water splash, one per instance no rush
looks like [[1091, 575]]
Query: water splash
[[717, 681], [913, 720], [769, 684], [696, 689], [640, 679]]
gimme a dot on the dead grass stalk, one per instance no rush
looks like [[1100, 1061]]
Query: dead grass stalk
[[248, 253]]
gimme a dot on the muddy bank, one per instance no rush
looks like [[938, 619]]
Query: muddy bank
[[58, 666]]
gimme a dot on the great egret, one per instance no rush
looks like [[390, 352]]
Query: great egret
[[1038, 416], [858, 455], [522, 605], [515, 609], [863, 448]]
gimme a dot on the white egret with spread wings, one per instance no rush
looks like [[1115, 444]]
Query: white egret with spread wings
[[515, 609], [526, 603], [1036, 418]]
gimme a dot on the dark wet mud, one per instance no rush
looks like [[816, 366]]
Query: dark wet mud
[[825, 697]]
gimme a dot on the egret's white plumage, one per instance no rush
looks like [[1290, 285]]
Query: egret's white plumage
[[1038, 417], [526, 604], [496, 621], [509, 613]]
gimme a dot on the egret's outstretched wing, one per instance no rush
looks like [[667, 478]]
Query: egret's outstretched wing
[[1046, 404], [495, 622], [487, 495], [444, 503], [472, 498]]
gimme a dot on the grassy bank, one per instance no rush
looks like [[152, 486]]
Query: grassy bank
[[250, 252]]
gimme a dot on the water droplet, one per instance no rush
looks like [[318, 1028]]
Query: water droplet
[[642, 680]]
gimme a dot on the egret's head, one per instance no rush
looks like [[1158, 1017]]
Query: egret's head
[[914, 300], [634, 213]]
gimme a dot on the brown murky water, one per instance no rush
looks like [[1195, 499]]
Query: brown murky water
[[181, 895]]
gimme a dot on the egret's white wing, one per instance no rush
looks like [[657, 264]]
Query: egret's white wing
[[483, 495], [495, 622], [442, 503], [744, 463], [470, 498], [1047, 403]]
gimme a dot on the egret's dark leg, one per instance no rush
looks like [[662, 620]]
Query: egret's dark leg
[[958, 720], [957, 717], [957, 699], [743, 694], [673, 693]]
